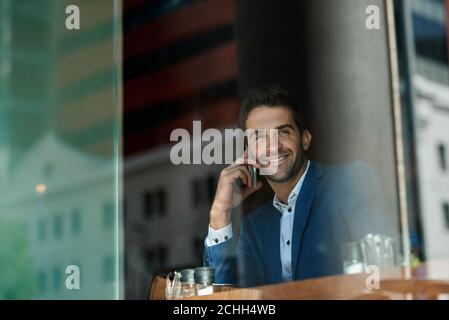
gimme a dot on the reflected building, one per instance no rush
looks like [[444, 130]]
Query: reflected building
[[180, 65], [432, 121], [58, 132], [423, 47], [66, 205]]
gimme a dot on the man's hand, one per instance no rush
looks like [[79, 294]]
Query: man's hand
[[229, 195]]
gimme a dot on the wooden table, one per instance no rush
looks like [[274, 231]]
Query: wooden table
[[431, 277]]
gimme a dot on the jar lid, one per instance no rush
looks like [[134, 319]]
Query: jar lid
[[188, 276], [204, 275]]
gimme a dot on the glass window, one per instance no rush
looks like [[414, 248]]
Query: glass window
[[58, 225], [156, 257], [76, 222], [430, 38], [108, 215], [149, 204], [162, 202], [60, 127], [108, 269], [42, 282], [42, 230], [442, 156], [203, 190], [446, 214], [154, 202], [58, 282]]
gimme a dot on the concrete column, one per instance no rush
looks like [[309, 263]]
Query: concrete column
[[339, 69]]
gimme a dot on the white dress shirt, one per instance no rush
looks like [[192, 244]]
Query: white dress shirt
[[287, 211]]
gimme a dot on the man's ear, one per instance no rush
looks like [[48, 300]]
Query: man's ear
[[306, 139]]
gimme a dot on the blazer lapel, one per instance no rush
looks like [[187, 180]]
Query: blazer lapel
[[302, 210]]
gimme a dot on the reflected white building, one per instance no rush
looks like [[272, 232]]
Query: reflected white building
[[432, 134], [63, 198]]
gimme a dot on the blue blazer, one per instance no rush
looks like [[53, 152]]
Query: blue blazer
[[336, 204]]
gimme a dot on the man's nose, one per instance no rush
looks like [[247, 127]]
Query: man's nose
[[273, 145]]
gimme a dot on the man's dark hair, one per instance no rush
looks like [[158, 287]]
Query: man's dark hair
[[271, 96]]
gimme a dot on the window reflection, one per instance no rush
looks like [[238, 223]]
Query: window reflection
[[58, 133]]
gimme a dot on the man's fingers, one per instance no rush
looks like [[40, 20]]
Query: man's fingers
[[247, 174], [235, 172], [246, 161], [248, 191]]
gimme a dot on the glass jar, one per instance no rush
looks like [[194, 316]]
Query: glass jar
[[204, 280], [188, 288], [352, 258]]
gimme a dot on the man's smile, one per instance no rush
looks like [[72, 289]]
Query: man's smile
[[279, 160]]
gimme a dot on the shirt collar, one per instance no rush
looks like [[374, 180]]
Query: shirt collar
[[293, 194]]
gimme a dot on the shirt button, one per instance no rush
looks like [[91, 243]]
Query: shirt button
[[226, 238], [289, 209], [288, 242], [216, 240]]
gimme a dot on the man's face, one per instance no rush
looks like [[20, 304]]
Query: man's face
[[288, 154]]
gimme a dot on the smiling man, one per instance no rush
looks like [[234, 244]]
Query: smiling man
[[315, 211]]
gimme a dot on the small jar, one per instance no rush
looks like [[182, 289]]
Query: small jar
[[352, 258], [188, 288], [204, 280]]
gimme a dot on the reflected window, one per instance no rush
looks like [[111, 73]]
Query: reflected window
[[148, 204], [108, 215], [42, 282], [430, 38], [163, 255], [108, 268], [57, 278], [446, 214], [162, 199], [42, 230], [57, 227], [76, 222], [156, 257], [442, 156], [203, 190], [155, 202]]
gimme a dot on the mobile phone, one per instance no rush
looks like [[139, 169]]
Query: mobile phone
[[253, 172]]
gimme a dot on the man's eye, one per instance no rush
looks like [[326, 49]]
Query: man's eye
[[284, 132]]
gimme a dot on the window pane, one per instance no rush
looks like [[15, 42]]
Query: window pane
[[446, 215], [57, 227], [162, 202], [442, 156], [59, 154], [149, 204], [76, 222]]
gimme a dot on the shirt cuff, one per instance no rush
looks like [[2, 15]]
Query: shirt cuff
[[215, 237]]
